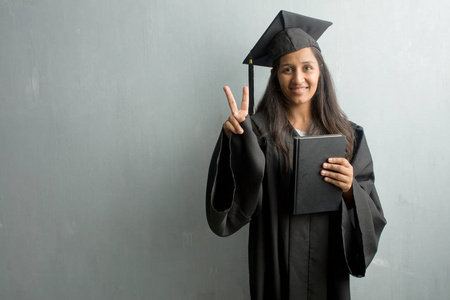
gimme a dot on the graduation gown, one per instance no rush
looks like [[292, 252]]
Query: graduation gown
[[307, 257]]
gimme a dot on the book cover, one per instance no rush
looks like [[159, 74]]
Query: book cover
[[311, 193]]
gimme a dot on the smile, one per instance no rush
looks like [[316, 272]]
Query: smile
[[299, 90]]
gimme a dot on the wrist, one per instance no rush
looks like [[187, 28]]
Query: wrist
[[348, 198]]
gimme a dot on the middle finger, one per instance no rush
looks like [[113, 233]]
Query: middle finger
[[337, 168]]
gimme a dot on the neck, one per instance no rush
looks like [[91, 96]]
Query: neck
[[300, 117]]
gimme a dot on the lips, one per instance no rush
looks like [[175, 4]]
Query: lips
[[299, 90]]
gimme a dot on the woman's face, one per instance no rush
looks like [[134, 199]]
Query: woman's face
[[298, 76]]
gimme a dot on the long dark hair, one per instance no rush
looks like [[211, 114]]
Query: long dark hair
[[328, 117]]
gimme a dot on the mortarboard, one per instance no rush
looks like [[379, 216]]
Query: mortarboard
[[287, 33]]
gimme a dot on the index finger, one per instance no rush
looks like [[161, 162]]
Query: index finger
[[231, 101], [338, 160]]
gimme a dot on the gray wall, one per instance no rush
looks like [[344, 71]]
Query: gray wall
[[109, 111]]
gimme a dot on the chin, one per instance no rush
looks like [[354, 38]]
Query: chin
[[300, 101]]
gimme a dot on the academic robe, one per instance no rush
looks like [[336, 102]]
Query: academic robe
[[304, 257]]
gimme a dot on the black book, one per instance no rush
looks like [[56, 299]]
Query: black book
[[312, 193]]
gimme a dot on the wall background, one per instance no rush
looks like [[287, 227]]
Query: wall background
[[109, 112]]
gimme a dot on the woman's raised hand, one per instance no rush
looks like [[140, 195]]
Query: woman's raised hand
[[232, 125]]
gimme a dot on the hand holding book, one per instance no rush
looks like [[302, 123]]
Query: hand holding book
[[339, 172]]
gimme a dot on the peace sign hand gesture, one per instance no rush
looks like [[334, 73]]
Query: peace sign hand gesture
[[232, 125]]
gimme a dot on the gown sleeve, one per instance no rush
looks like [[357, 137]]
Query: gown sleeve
[[360, 237], [234, 187]]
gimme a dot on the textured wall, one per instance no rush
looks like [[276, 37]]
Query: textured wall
[[109, 111]]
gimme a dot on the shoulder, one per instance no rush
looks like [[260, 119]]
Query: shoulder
[[360, 144], [359, 132]]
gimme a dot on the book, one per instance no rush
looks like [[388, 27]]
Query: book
[[312, 193]]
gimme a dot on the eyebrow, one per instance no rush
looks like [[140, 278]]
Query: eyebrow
[[303, 63]]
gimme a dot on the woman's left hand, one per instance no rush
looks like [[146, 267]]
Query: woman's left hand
[[339, 171]]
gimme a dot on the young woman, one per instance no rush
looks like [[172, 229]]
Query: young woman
[[308, 256]]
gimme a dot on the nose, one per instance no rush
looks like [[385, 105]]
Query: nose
[[298, 77]]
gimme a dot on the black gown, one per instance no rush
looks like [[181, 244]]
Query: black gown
[[291, 256]]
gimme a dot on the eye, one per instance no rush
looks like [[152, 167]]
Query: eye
[[308, 68], [287, 70]]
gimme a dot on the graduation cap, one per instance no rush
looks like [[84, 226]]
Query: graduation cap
[[287, 33]]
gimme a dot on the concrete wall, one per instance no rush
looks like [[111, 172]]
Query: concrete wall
[[109, 111]]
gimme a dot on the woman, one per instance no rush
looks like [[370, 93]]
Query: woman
[[307, 256]]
